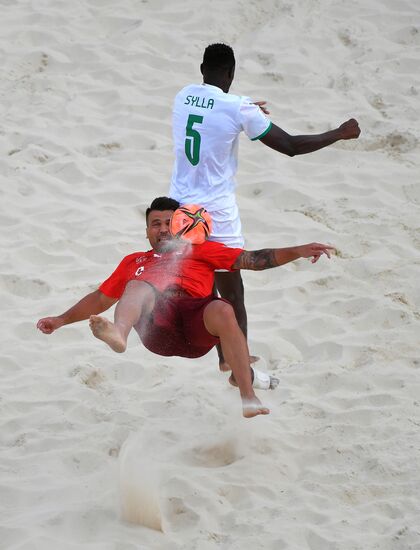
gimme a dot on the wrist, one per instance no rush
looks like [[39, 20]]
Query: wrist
[[61, 320], [298, 251]]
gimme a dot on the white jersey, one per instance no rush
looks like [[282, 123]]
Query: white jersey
[[206, 126]]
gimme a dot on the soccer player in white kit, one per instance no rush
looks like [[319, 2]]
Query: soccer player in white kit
[[207, 122]]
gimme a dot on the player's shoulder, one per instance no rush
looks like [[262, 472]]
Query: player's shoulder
[[236, 97], [248, 104], [207, 247], [188, 89], [239, 104]]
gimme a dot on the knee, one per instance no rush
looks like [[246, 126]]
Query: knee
[[139, 289], [139, 293], [138, 285], [226, 313], [219, 316]]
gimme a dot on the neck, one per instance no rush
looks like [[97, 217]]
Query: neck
[[219, 82]]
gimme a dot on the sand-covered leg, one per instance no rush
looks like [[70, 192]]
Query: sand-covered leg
[[229, 285], [219, 319], [107, 332]]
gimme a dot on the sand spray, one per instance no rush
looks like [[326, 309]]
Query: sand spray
[[139, 486]]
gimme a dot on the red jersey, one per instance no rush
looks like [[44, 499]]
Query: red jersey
[[191, 268]]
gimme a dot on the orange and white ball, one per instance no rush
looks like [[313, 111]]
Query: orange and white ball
[[191, 222]]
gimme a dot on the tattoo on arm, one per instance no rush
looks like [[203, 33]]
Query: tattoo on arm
[[256, 260]]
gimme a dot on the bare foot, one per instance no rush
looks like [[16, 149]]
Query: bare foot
[[107, 332], [253, 407], [224, 367]]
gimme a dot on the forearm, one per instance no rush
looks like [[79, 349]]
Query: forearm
[[308, 144], [257, 260], [281, 141], [92, 304], [300, 145]]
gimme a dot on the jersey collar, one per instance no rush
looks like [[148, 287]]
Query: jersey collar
[[215, 88]]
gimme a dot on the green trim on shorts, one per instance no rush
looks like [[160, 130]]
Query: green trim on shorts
[[264, 133]]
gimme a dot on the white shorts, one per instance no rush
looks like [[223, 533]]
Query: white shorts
[[227, 228]]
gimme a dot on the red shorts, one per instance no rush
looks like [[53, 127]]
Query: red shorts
[[176, 327]]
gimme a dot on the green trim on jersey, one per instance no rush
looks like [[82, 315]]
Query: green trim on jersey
[[264, 133]]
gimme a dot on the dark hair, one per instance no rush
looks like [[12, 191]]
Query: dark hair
[[218, 56], [161, 204]]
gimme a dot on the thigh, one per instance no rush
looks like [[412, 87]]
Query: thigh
[[194, 328], [160, 331], [176, 327]]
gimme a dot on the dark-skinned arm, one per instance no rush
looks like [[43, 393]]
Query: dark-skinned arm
[[281, 141], [266, 258], [92, 304]]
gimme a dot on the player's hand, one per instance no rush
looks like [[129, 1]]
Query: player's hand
[[350, 129], [262, 106], [315, 251], [48, 325]]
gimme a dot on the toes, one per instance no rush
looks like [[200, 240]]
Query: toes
[[254, 408], [97, 324], [250, 412]]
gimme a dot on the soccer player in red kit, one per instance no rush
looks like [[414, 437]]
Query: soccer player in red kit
[[166, 295]]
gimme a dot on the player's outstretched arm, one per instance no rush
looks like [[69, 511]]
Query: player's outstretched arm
[[281, 141], [266, 258], [92, 304]]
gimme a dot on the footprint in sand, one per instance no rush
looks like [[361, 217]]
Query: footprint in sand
[[216, 455], [25, 288], [90, 376], [43, 63], [179, 515]]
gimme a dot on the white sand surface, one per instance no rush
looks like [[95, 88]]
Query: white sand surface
[[85, 132]]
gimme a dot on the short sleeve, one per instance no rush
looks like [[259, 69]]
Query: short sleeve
[[220, 256], [114, 286], [253, 121]]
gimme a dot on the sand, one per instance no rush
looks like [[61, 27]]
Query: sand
[[89, 437]]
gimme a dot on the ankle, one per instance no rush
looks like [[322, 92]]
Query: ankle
[[248, 395]]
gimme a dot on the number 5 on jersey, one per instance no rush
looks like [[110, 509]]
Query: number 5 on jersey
[[193, 139]]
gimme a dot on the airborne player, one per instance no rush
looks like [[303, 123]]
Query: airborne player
[[166, 295]]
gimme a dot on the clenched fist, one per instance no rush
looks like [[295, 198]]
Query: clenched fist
[[349, 129]]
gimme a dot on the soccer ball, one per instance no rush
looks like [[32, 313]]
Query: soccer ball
[[191, 222]]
